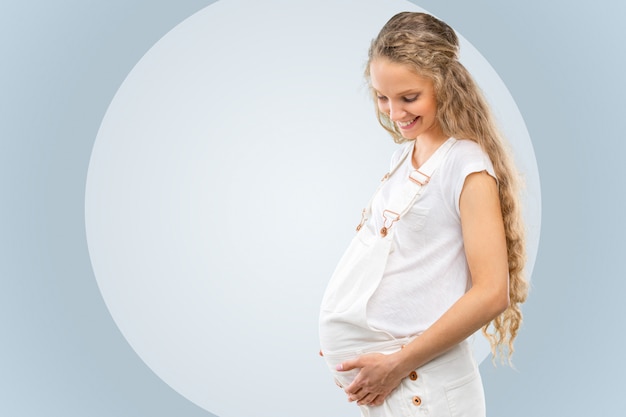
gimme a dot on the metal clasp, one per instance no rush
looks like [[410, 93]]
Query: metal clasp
[[388, 221], [419, 177]]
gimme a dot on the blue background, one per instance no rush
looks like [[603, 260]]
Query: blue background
[[61, 63]]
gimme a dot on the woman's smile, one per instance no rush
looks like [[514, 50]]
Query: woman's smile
[[408, 124], [408, 99]]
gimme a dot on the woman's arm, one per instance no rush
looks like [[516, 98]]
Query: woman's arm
[[485, 249]]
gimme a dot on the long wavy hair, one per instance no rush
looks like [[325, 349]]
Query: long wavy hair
[[430, 48]]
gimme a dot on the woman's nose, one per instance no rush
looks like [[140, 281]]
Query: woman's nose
[[396, 112]]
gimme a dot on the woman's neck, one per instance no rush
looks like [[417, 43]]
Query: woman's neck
[[425, 146]]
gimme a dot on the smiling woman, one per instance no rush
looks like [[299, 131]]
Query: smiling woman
[[211, 227], [402, 302]]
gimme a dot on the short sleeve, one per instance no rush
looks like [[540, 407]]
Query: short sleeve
[[467, 157]]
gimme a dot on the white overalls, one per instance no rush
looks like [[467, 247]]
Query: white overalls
[[449, 385]]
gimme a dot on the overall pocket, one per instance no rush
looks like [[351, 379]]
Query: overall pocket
[[415, 218], [465, 396]]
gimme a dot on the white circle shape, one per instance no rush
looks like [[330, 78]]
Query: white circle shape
[[224, 184]]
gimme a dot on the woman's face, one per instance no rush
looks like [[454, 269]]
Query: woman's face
[[409, 99]]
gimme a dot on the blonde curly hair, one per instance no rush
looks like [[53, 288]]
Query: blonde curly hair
[[430, 48]]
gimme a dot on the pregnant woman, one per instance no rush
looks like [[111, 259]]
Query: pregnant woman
[[439, 252]]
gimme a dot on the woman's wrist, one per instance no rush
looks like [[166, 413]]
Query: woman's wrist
[[403, 362]]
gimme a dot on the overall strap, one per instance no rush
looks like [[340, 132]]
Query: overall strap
[[411, 189]]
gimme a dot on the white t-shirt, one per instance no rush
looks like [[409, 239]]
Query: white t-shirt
[[427, 270]]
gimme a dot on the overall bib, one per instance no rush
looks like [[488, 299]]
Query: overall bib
[[346, 334]]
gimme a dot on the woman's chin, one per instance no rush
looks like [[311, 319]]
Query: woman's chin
[[408, 135]]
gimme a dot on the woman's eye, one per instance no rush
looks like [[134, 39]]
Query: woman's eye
[[381, 98], [410, 99]]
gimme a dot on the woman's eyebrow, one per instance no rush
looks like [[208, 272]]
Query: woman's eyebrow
[[402, 93], [410, 92]]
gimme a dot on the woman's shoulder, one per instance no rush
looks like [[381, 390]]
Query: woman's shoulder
[[467, 151], [464, 158], [467, 147]]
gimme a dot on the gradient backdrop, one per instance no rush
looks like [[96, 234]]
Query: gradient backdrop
[[61, 354]]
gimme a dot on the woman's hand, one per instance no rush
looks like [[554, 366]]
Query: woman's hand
[[376, 379]]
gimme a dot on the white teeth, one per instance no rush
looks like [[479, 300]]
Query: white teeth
[[404, 124]]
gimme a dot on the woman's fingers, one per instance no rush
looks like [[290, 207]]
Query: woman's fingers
[[348, 365], [359, 395], [366, 398]]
